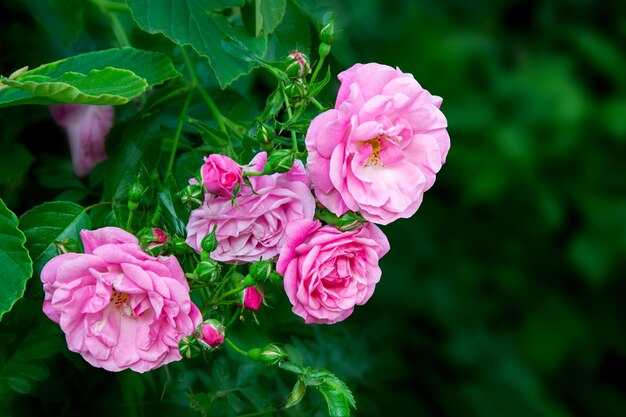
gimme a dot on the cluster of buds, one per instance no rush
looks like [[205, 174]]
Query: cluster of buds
[[209, 335], [155, 241]]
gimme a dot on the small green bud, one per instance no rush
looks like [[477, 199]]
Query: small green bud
[[261, 270], [297, 65], [209, 243], [133, 205], [272, 354], [324, 50], [281, 160], [189, 347], [192, 196], [265, 135], [207, 270], [135, 192], [327, 33]]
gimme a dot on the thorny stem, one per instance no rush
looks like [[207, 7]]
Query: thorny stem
[[205, 96]]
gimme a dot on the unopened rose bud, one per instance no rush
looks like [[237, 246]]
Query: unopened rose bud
[[207, 270], [135, 192], [189, 347], [251, 298], [327, 33], [210, 334], [261, 270], [265, 136], [209, 243], [269, 355], [297, 394], [281, 161], [153, 241], [66, 246], [297, 65]]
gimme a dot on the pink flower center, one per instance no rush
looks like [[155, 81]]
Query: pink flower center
[[374, 158]]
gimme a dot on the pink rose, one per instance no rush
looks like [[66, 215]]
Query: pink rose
[[327, 272], [221, 175], [252, 298], [211, 333], [118, 306], [253, 228], [379, 149], [86, 126]]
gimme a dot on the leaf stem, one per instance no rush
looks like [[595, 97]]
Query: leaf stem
[[233, 291], [317, 69], [102, 203], [235, 347], [316, 103], [253, 173], [179, 129], [294, 140], [219, 118]]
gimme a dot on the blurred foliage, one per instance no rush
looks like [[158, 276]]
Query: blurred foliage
[[502, 296]]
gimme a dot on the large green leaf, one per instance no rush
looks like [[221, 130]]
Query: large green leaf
[[112, 76], [15, 264], [263, 16], [193, 22], [51, 222]]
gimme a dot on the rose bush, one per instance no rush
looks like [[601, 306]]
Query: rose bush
[[328, 272], [379, 149], [118, 306], [253, 229], [86, 127]]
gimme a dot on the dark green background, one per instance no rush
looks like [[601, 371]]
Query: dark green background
[[503, 295]]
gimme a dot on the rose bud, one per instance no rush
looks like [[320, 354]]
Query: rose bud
[[261, 270], [297, 65], [207, 270], [269, 355], [220, 175], [192, 196], [211, 334], [251, 298], [281, 161]]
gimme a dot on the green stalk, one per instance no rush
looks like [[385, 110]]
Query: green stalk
[[235, 347], [179, 129], [294, 140], [205, 95]]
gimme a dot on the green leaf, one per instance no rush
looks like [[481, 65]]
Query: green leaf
[[172, 211], [337, 403], [272, 12], [110, 86], [50, 222], [15, 263], [263, 16], [63, 19], [14, 162], [191, 22], [113, 76], [294, 33]]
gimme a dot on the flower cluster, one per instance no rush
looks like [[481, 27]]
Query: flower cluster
[[370, 160]]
